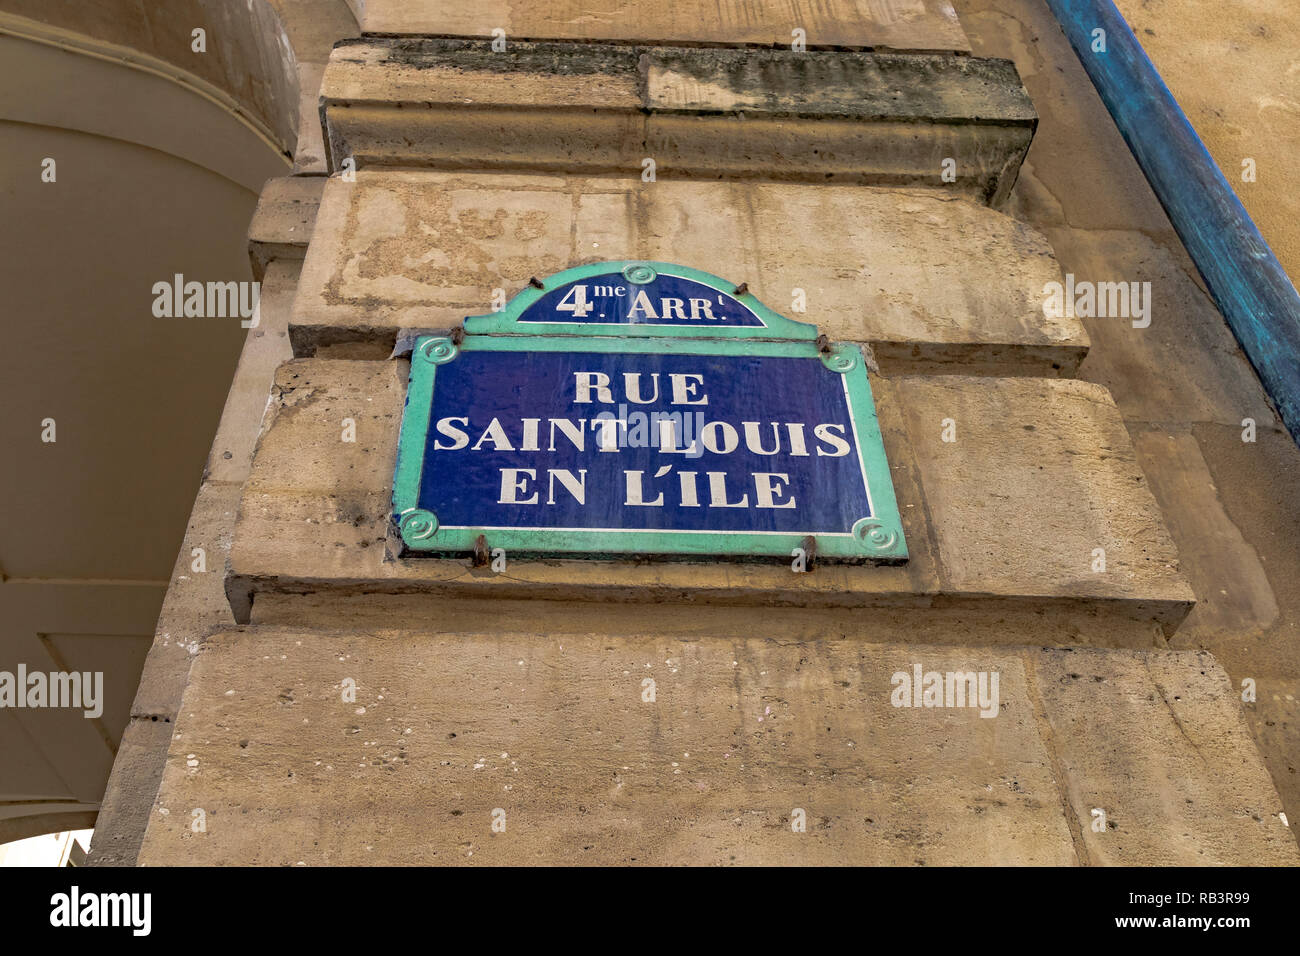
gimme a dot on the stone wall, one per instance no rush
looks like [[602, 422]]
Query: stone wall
[[332, 702]]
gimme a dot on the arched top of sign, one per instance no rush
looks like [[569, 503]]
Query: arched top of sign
[[639, 299]]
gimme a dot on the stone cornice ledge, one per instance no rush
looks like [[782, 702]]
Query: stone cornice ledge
[[699, 113]]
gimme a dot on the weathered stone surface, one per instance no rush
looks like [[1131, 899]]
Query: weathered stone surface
[[556, 737], [265, 348], [283, 220], [1183, 375], [1201, 796], [697, 113], [313, 27], [470, 74], [906, 25], [132, 787], [195, 605], [1231, 585], [314, 515], [1185, 366], [1257, 487], [977, 623], [1247, 111], [1039, 475], [932, 282], [851, 86]]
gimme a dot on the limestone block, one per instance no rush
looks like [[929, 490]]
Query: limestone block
[[283, 220], [960, 122], [1199, 798], [1234, 596], [894, 24], [1042, 474], [265, 348], [601, 750], [988, 621], [195, 605], [1201, 374], [132, 787], [932, 282]]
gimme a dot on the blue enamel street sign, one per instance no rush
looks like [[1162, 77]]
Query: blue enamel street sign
[[647, 409]]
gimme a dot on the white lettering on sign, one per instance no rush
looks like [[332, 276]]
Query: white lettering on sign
[[641, 307], [685, 386], [579, 305], [687, 489], [588, 382], [578, 302]]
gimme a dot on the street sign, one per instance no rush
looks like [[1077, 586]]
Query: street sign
[[642, 408]]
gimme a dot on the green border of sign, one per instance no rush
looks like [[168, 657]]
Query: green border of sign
[[878, 538]]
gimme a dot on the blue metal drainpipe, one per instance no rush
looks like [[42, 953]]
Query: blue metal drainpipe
[[1244, 278]]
